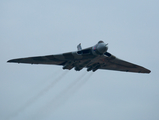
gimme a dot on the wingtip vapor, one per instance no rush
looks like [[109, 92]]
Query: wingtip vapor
[[92, 58]]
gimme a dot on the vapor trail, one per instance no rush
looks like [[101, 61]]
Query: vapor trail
[[64, 95], [35, 98], [43, 81], [60, 98], [82, 83], [54, 74], [74, 88]]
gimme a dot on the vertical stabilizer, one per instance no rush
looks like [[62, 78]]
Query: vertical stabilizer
[[79, 48]]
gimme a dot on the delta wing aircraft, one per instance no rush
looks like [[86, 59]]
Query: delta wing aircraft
[[92, 58]]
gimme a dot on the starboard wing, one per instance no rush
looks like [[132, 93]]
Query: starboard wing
[[113, 63]]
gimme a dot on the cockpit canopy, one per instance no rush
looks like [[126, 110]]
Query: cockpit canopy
[[100, 41]]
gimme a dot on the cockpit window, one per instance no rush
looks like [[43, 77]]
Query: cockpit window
[[100, 42]]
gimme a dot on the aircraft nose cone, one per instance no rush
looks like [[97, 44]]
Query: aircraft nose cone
[[102, 47]]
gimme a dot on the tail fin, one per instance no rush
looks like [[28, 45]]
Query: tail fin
[[79, 48]]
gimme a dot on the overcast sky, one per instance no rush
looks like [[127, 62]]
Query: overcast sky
[[43, 92]]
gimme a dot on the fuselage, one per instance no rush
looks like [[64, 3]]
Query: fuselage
[[100, 48], [92, 52]]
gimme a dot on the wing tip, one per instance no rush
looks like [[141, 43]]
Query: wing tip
[[12, 61], [146, 71]]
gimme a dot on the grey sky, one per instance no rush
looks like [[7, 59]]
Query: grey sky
[[32, 28]]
